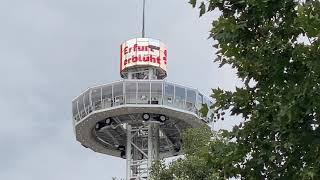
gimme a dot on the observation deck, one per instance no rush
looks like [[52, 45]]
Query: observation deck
[[101, 114]]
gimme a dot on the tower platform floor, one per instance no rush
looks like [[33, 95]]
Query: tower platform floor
[[101, 114]]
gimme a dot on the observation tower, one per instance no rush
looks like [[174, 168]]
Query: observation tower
[[142, 117]]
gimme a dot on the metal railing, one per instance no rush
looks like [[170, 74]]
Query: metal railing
[[142, 92]]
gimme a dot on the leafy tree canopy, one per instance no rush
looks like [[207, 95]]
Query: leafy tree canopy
[[274, 45]]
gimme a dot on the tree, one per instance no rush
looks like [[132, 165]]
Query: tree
[[201, 147], [274, 45]]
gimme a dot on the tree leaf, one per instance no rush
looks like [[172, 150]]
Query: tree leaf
[[193, 3], [202, 8]]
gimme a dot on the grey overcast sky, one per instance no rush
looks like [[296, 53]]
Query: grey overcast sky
[[52, 50]]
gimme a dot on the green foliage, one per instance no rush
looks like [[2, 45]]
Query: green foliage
[[193, 3], [204, 110], [200, 162], [280, 99]]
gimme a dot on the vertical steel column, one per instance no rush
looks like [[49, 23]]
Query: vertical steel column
[[153, 143], [128, 151]]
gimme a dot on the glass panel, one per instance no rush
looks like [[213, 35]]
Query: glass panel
[[118, 89], [75, 110], [118, 94], [82, 112], [140, 75], [131, 92], [169, 94], [107, 97], [96, 98], [180, 97], [143, 93], [86, 101], [191, 100], [207, 101], [199, 102], [156, 93]]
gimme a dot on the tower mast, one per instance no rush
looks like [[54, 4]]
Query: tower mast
[[143, 19]]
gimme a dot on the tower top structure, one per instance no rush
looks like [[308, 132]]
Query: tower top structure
[[143, 58], [142, 117]]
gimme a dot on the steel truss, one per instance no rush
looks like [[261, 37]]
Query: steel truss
[[142, 149]]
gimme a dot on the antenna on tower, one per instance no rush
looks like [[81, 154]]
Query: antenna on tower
[[143, 19]]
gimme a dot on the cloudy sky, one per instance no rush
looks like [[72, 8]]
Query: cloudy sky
[[52, 50]]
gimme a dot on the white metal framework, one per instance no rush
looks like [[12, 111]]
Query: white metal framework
[[142, 149], [142, 117], [138, 120], [139, 92]]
